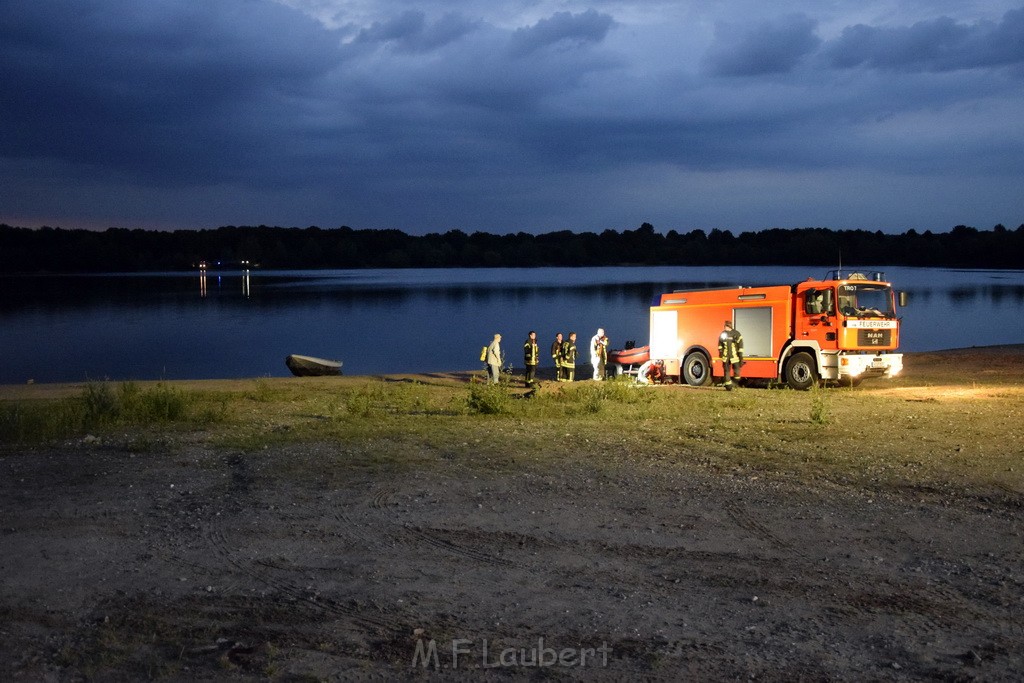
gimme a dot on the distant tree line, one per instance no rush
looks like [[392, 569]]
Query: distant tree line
[[37, 250]]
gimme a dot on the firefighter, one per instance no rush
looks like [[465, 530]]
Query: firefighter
[[730, 348], [602, 358], [556, 355], [531, 356], [650, 372], [597, 349], [495, 358], [569, 358]]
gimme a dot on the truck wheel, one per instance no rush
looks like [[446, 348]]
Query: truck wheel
[[800, 371], [696, 369]]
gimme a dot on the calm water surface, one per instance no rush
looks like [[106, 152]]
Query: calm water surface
[[235, 324]]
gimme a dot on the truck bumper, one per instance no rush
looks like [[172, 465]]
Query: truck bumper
[[861, 365]]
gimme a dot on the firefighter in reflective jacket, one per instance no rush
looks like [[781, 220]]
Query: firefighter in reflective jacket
[[730, 348], [531, 357], [569, 359], [556, 355]]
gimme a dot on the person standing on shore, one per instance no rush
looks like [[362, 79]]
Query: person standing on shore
[[597, 343], [730, 348], [531, 357], [569, 358], [556, 356], [494, 359]]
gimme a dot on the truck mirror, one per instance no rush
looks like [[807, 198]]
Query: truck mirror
[[903, 298]]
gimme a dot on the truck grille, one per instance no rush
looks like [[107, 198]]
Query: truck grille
[[874, 337]]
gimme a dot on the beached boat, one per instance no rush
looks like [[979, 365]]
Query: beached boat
[[634, 356], [308, 366]]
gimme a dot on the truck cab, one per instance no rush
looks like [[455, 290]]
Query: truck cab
[[849, 324]]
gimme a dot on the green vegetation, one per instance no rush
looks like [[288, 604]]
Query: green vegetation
[[577, 398], [102, 407], [819, 405], [886, 432], [24, 250]]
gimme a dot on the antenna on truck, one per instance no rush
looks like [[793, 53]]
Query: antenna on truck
[[836, 274]]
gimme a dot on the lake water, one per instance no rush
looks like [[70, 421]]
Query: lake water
[[238, 325]]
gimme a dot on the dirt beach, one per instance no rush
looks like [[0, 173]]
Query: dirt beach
[[189, 561]]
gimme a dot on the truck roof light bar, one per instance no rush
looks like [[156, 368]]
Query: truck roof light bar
[[875, 275]]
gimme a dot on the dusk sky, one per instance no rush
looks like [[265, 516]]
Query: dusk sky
[[505, 116]]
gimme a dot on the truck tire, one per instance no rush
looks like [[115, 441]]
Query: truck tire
[[800, 371], [696, 369]]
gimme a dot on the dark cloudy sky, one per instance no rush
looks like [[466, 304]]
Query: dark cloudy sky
[[503, 116]]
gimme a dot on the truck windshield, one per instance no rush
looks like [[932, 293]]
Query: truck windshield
[[866, 301]]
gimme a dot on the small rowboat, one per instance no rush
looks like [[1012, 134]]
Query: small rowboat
[[308, 366], [636, 356]]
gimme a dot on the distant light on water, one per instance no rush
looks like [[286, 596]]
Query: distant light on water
[[237, 323]]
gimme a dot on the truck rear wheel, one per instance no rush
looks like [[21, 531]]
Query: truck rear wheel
[[696, 369], [800, 371]]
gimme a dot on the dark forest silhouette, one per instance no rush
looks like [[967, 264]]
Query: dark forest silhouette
[[39, 250]]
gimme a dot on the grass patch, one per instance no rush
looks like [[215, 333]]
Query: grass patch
[[562, 400], [819, 405], [27, 422], [489, 399], [261, 392], [396, 398], [881, 436], [103, 406]]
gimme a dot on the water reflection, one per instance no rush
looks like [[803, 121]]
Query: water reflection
[[963, 295], [67, 328], [995, 294], [1008, 293], [917, 295], [55, 293]]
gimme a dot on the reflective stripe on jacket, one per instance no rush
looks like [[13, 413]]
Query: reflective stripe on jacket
[[730, 346], [530, 352], [568, 353]]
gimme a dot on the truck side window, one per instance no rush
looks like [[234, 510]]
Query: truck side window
[[815, 304]]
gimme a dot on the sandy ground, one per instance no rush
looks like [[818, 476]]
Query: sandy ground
[[206, 564]]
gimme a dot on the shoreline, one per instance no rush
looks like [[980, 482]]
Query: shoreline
[[43, 390]]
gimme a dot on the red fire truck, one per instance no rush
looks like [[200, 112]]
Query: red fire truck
[[843, 328]]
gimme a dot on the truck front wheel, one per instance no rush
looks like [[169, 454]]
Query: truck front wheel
[[696, 369], [800, 371]]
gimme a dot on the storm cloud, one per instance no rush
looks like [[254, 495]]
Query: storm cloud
[[427, 116], [561, 27], [767, 48], [940, 44]]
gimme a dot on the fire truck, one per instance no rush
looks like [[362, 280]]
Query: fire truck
[[843, 328]]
